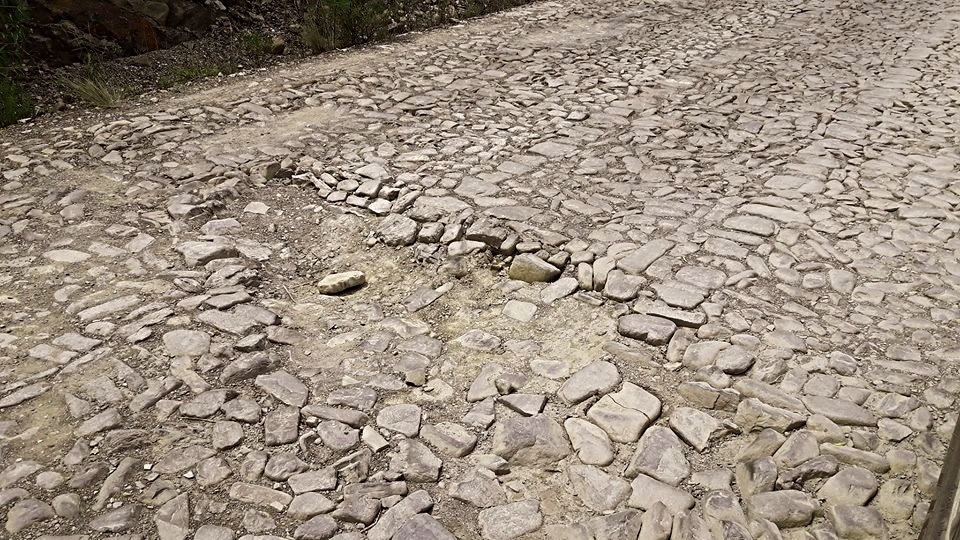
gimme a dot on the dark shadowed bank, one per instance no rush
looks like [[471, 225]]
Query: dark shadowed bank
[[57, 53]]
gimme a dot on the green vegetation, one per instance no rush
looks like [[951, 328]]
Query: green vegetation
[[95, 90], [334, 24], [256, 43], [14, 104]]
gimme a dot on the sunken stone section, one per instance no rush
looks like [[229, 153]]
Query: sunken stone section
[[581, 270]]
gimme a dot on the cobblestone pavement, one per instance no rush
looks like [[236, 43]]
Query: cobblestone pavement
[[580, 270]]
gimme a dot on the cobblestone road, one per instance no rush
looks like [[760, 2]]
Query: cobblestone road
[[579, 270]]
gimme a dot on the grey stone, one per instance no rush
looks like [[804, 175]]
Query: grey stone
[[653, 330], [104, 421], [590, 442], [200, 253], [242, 409], [534, 441], [110, 307], [756, 476], [843, 412], [394, 517], [258, 521], [622, 287], [67, 505], [856, 522], [226, 434], [703, 353], [259, 495], [735, 360], [449, 438], [722, 506], [25, 513], [511, 520], [560, 288], [337, 283], [316, 528], [659, 454], [552, 149], [183, 458], [525, 404], [404, 419], [695, 427], [214, 532], [530, 268], [598, 490], [617, 526], [679, 317], [212, 471], [204, 404], [118, 520], [307, 505], [753, 414], [423, 527], [478, 487], [597, 378], [519, 310], [854, 456], [851, 486], [283, 465], [283, 386], [787, 508], [397, 230], [323, 479], [701, 276], [338, 436], [173, 518], [769, 394], [416, 462], [657, 523], [245, 367], [23, 394], [358, 397], [625, 414], [281, 426], [479, 340], [897, 499], [637, 261], [232, 323], [647, 492], [679, 295], [358, 509], [800, 446]]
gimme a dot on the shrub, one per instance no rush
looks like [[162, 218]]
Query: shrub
[[95, 90], [256, 43], [333, 24], [14, 105]]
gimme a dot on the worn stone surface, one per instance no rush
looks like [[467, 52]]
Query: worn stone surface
[[510, 520], [478, 260]]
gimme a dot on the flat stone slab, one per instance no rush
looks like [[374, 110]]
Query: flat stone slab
[[530, 268], [625, 414], [337, 283], [510, 520], [597, 378], [653, 330], [648, 492], [533, 441], [841, 411]]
